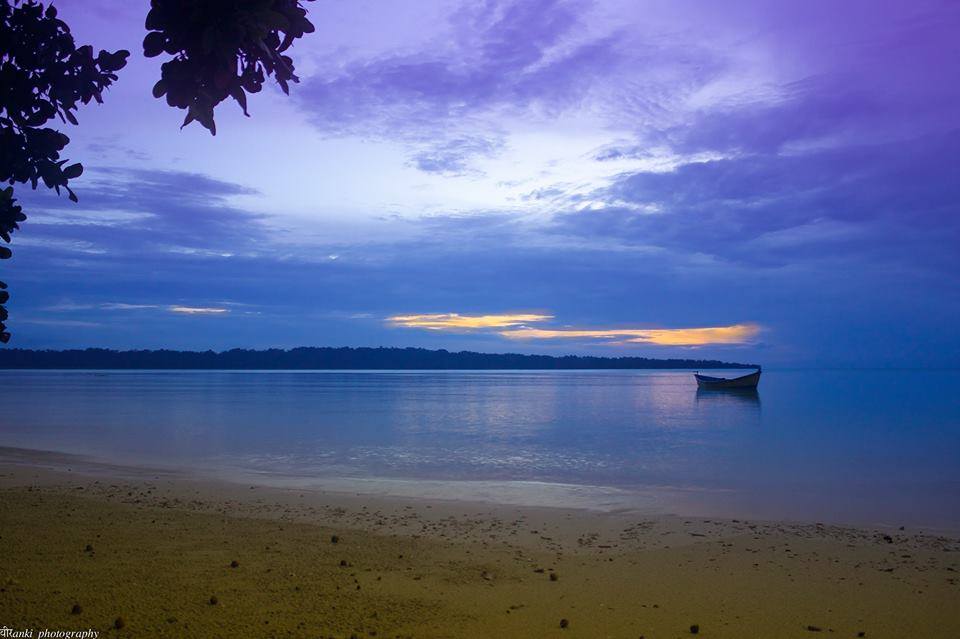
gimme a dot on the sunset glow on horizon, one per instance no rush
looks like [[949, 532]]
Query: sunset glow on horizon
[[454, 321], [734, 334], [514, 325]]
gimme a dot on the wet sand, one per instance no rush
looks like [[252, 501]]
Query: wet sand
[[162, 554]]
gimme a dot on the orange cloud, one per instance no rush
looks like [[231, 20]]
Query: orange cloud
[[734, 334], [455, 321]]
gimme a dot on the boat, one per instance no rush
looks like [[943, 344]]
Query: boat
[[717, 383]]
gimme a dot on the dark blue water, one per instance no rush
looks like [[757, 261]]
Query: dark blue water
[[855, 446]]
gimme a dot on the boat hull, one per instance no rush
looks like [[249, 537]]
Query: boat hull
[[747, 381]]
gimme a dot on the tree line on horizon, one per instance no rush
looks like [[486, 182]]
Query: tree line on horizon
[[313, 358]]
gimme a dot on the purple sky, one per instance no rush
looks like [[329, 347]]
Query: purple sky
[[606, 169]]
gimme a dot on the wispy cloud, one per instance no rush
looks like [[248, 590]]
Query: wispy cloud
[[61, 323], [501, 55], [198, 310], [122, 306], [455, 321], [452, 157], [131, 212], [126, 306], [734, 334]]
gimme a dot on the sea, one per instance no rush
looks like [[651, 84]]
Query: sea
[[858, 447]]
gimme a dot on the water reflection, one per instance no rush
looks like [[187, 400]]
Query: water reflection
[[729, 396], [868, 435], [590, 426]]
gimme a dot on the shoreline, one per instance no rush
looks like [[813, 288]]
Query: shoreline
[[584, 499], [162, 546]]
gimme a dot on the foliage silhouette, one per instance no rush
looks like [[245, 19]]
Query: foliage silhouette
[[220, 49]]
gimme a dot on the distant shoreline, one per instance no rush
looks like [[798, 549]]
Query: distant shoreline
[[329, 358]]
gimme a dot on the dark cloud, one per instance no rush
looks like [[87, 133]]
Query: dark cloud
[[878, 72], [135, 210], [892, 200]]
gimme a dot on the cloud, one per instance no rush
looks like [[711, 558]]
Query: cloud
[[877, 202], [734, 334], [59, 323], [455, 321], [197, 310], [516, 329], [452, 101], [122, 306], [453, 157], [125, 306], [124, 210], [501, 54]]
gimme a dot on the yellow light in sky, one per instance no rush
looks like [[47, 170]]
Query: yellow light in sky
[[734, 334], [455, 321]]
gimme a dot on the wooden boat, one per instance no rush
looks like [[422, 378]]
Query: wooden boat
[[717, 383]]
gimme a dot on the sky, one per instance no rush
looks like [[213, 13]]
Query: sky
[[755, 181]]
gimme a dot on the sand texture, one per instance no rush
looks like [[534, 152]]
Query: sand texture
[[143, 554]]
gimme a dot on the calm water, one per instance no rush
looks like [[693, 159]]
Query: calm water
[[846, 446]]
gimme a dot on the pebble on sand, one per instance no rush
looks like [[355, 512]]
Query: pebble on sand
[[564, 623], [119, 623], [76, 610], [694, 629]]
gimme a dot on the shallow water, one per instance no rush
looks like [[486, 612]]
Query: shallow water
[[842, 446]]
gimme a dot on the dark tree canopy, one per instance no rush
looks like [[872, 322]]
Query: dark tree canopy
[[43, 75], [219, 49]]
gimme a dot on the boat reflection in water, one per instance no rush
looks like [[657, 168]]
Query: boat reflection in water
[[729, 396]]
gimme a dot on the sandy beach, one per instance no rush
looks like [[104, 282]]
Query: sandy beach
[[128, 551]]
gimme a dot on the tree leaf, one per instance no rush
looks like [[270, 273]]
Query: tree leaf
[[237, 92], [73, 171], [153, 44]]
